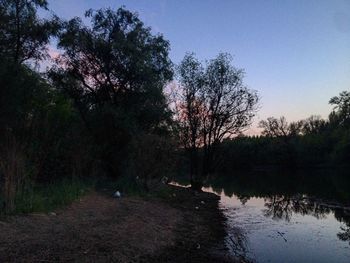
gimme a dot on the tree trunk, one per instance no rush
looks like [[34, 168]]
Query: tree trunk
[[12, 167]]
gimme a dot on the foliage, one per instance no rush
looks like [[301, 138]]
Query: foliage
[[91, 116], [211, 104], [341, 113], [48, 197], [23, 35], [24, 101], [153, 157], [273, 127], [305, 143], [115, 72]]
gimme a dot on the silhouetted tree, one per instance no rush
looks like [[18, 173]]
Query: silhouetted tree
[[23, 35], [153, 158], [115, 71], [313, 125], [341, 112], [273, 127], [33, 116], [212, 104]]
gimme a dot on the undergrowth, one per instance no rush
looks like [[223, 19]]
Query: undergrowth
[[48, 197]]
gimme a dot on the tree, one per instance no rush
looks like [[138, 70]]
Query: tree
[[24, 102], [273, 127], [115, 72], [23, 35], [26, 99], [188, 105], [212, 104], [153, 157], [280, 128], [285, 134], [341, 111], [313, 125]]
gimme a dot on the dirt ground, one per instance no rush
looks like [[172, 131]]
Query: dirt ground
[[182, 227]]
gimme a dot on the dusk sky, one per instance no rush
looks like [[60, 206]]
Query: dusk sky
[[296, 54]]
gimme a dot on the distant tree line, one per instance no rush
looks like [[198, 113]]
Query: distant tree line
[[305, 143]]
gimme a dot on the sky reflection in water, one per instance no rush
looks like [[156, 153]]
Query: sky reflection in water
[[303, 217]]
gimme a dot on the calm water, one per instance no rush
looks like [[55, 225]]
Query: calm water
[[287, 217]]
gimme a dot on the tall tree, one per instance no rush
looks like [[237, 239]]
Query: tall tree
[[115, 71], [23, 35], [188, 105], [212, 104]]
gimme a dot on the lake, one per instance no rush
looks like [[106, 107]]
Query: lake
[[280, 216]]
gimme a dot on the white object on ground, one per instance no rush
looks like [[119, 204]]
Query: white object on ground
[[117, 194]]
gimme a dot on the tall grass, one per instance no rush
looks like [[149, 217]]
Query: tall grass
[[48, 197]]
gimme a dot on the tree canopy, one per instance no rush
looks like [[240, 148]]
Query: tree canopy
[[115, 71], [212, 103], [23, 35]]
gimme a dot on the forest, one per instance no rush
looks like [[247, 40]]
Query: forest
[[112, 104]]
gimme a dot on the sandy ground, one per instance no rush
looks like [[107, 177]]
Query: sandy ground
[[183, 227]]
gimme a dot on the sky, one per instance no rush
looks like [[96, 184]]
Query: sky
[[296, 53]]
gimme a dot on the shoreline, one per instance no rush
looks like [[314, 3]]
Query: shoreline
[[174, 225], [201, 237]]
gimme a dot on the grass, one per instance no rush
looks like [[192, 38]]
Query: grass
[[46, 198]]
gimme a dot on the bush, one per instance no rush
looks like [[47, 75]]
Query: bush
[[47, 197]]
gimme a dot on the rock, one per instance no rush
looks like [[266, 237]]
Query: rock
[[53, 214]]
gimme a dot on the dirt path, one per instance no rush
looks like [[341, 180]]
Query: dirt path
[[99, 228]]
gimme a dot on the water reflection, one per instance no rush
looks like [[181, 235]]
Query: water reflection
[[292, 198], [315, 193], [283, 207], [344, 234]]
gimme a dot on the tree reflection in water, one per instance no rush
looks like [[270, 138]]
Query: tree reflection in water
[[315, 193], [344, 234], [344, 217], [283, 207]]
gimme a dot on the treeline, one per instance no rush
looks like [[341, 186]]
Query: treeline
[[306, 143], [98, 110]]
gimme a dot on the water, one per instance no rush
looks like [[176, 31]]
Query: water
[[286, 217]]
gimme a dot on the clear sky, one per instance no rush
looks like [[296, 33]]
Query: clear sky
[[296, 53]]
